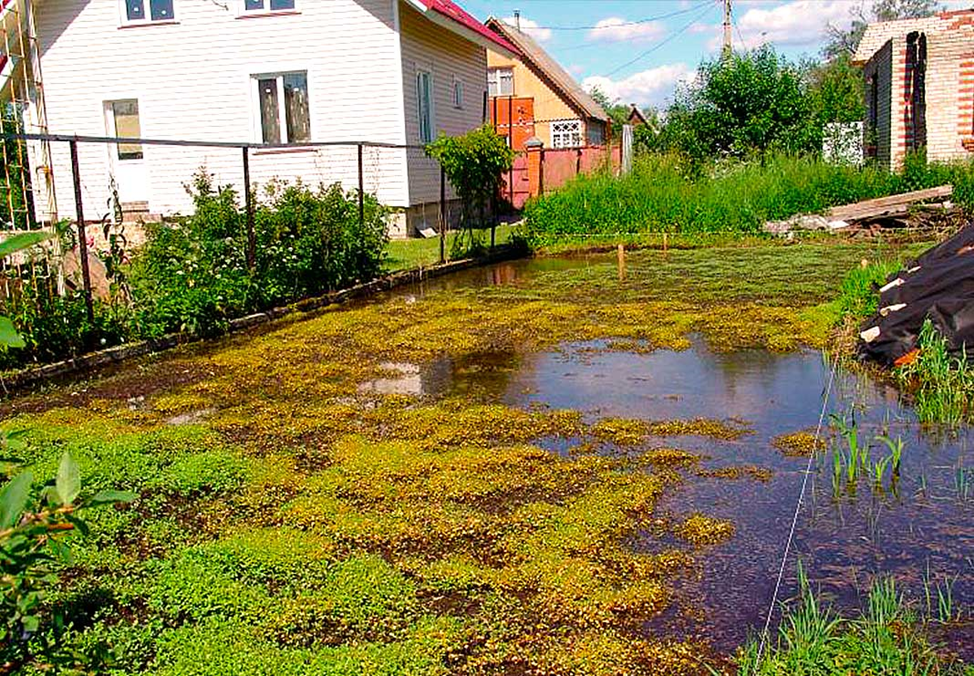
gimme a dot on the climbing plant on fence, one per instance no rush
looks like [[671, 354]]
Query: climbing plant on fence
[[474, 163]]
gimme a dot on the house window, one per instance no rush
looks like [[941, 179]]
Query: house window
[[457, 93], [268, 5], [424, 98], [282, 101], [596, 134], [124, 119], [566, 133], [500, 81], [158, 10]]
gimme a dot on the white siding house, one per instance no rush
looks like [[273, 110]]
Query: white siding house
[[265, 71]]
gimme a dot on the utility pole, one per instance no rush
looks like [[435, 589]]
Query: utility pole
[[517, 20], [727, 29]]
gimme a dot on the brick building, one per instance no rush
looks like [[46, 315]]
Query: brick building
[[919, 76]]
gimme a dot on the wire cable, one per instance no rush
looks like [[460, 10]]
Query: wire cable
[[794, 521], [634, 22], [662, 43]]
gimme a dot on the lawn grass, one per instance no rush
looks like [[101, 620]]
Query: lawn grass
[[405, 254], [298, 524]]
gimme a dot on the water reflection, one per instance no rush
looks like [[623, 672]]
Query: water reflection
[[924, 529]]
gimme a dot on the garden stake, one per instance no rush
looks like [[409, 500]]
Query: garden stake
[[622, 262], [82, 238]]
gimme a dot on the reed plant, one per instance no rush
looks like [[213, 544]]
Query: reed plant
[[888, 637]]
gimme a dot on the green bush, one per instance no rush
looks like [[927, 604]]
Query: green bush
[[672, 193], [192, 275]]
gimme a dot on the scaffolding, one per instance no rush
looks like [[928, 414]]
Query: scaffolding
[[27, 201], [23, 111]]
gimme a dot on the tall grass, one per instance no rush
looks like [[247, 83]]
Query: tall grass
[[858, 295], [667, 193], [887, 638], [942, 384]]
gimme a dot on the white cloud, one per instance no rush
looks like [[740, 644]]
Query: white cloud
[[801, 22], [798, 22], [649, 87], [614, 29], [530, 27]]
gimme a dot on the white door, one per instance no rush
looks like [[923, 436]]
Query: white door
[[128, 161]]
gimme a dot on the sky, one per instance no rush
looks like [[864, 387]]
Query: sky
[[638, 51]]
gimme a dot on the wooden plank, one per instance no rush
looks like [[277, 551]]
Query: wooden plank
[[887, 206]]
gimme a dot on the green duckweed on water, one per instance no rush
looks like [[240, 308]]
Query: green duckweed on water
[[292, 522]]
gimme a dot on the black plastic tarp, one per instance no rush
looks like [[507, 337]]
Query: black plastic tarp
[[939, 286]]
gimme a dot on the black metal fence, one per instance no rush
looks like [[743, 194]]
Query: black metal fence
[[400, 175]]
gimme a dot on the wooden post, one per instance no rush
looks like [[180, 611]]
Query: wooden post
[[664, 242], [541, 173], [442, 214], [249, 207], [622, 262], [578, 161], [82, 237]]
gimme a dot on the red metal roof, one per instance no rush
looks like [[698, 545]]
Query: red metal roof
[[453, 11]]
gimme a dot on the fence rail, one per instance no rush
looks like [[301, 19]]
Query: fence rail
[[422, 180]]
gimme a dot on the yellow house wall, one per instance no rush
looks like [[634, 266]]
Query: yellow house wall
[[548, 105]]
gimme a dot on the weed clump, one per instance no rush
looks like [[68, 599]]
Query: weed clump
[[798, 444], [700, 530]]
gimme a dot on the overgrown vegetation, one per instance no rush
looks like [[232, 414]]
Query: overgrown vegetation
[[292, 522], [669, 193], [192, 274]]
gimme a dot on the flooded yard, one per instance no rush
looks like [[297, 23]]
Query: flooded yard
[[529, 468]]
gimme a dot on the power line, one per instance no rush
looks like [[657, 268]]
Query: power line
[[709, 6], [635, 22]]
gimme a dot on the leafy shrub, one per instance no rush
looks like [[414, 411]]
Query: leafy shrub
[[33, 544], [474, 163], [311, 241], [193, 275]]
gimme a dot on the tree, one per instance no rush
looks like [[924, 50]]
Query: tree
[[618, 112], [750, 103], [475, 164], [836, 88], [846, 41]]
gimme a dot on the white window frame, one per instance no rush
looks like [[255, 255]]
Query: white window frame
[[281, 106], [123, 15], [266, 10], [457, 93], [568, 137], [494, 80], [432, 105]]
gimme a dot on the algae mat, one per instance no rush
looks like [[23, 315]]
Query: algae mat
[[359, 491]]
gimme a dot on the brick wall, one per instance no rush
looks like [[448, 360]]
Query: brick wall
[[949, 87], [878, 139]]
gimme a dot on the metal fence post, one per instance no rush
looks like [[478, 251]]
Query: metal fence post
[[361, 189], [82, 237], [442, 214], [249, 206]]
